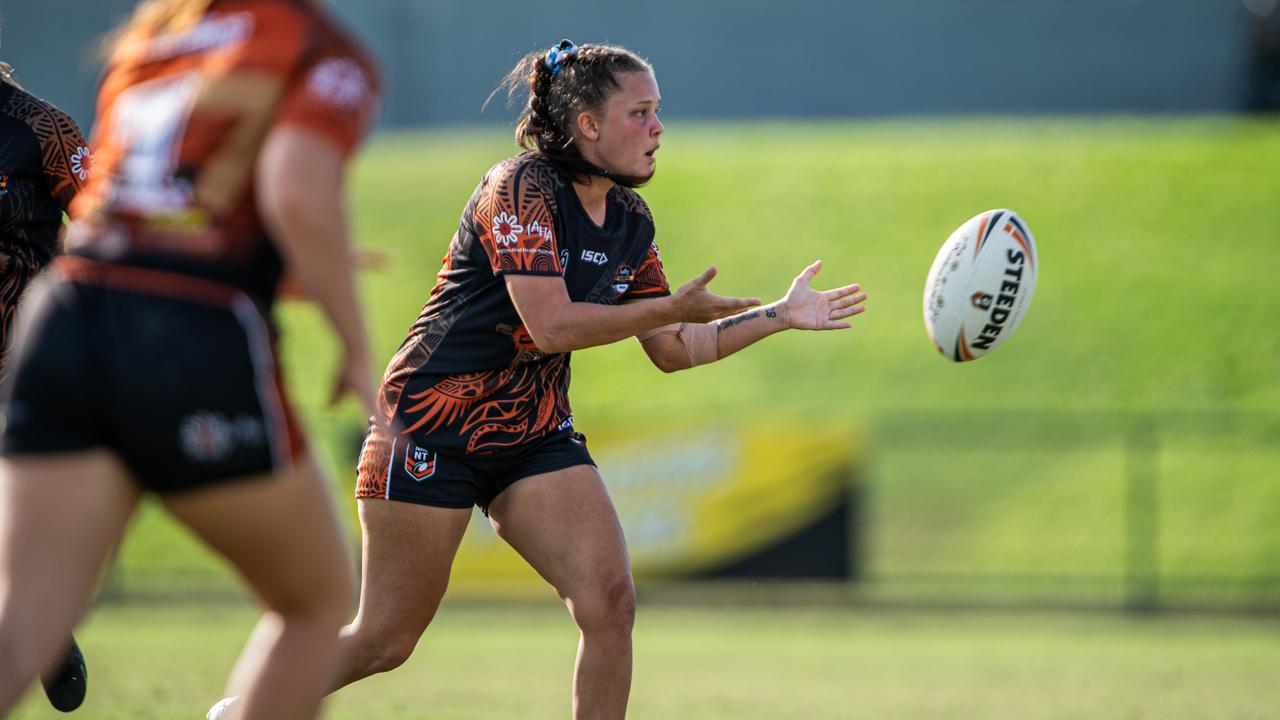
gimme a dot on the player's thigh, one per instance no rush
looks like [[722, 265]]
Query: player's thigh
[[563, 523], [279, 529], [408, 552], [61, 515]]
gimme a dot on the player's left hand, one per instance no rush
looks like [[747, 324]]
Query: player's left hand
[[809, 309]]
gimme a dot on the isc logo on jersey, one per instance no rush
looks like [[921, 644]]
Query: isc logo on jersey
[[420, 463], [980, 285]]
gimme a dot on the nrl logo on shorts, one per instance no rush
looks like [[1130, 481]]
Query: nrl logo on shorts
[[419, 462]]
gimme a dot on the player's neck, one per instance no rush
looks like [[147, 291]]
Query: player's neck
[[592, 196]]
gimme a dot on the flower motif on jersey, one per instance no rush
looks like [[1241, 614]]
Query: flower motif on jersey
[[505, 228], [82, 163]]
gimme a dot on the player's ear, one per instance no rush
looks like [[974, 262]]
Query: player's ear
[[588, 126]]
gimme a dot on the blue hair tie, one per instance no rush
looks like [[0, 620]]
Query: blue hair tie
[[558, 53]]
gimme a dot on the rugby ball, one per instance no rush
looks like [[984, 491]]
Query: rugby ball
[[980, 285]]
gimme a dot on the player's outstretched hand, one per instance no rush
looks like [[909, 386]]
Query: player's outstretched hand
[[698, 305], [809, 309]]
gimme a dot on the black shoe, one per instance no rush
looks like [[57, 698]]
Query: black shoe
[[66, 683]]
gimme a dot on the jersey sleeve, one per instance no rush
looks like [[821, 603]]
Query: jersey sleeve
[[515, 224], [336, 95], [65, 156], [650, 280]]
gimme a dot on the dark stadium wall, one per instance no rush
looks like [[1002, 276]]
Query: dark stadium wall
[[757, 58]]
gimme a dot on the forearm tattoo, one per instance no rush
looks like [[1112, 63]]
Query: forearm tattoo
[[729, 322], [725, 324]]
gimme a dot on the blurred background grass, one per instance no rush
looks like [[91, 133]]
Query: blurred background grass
[[1150, 348], [700, 663], [1153, 315]]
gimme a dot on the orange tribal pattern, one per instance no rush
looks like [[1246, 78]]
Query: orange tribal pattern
[[469, 378]]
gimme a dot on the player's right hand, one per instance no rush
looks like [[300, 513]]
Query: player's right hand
[[694, 303]]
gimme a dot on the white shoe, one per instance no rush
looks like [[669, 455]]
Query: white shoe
[[217, 711]]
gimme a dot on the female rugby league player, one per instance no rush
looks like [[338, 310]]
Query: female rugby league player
[[144, 357], [555, 252]]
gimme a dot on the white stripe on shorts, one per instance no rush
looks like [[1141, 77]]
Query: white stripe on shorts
[[255, 329]]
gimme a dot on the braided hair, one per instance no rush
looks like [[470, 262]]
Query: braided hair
[[561, 83]]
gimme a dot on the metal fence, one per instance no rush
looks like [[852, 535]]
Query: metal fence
[[1143, 510]]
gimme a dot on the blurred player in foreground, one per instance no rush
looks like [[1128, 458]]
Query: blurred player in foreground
[[144, 358], [555, 252], [44, 161]]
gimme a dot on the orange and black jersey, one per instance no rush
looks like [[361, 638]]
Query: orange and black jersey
[[44, 161], [469, 377], [182, 117]]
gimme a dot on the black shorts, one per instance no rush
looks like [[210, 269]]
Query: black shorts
[[176, 375], [398, 468]]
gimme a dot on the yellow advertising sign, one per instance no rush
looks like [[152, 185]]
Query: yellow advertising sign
[[692, 501]]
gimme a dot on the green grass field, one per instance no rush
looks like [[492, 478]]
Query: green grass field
[[1156, 293], [1155, 305], [731, 664]]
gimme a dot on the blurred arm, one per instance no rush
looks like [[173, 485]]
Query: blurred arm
[[300, 180]]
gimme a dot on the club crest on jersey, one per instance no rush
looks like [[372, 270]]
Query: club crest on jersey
[[505, 228], [981, 300], [420, 463], [622, 278], [4, 184]]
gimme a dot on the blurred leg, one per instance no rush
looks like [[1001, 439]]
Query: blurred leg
[[564, 525], [282, 534], [408, 551], [60, 517]]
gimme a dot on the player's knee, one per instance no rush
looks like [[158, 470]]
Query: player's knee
[[609, 607], [383, 644], [391, 652]]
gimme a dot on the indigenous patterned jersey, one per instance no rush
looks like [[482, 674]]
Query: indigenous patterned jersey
[[469, 375], [44, 161], [181, 119]]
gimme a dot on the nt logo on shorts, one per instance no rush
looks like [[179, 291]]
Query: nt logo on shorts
[[419, 462]]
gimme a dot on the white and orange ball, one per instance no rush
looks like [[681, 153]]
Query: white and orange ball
[[980, 285]]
